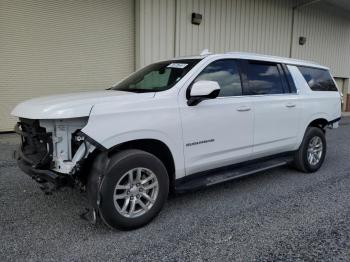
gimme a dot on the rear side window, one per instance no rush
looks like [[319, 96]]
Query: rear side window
[[318, 79], [264, 78]]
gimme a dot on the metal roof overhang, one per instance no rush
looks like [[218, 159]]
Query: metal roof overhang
[[341, 7], [341, 4]]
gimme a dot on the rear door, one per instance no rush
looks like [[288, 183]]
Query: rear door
[[276, 106]]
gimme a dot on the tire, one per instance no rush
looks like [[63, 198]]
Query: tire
[[121, 167], [302, 159]]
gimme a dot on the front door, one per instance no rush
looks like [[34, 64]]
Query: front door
[[218, 132]]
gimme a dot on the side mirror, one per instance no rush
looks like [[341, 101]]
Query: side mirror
[[203, 90]]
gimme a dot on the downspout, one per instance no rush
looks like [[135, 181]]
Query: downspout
[[298, 6], [175, 28]]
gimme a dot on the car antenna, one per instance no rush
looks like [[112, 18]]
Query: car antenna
[[205, 52]]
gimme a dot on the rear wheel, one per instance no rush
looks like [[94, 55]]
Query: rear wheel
[[312, 151], [134, 189]]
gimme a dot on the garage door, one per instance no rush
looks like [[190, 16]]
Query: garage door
[[50, 47]]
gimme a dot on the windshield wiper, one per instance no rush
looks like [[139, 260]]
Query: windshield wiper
[[135, 90]]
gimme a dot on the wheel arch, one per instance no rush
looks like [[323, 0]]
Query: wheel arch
[[319, 122], [154, 147], [316, 120]]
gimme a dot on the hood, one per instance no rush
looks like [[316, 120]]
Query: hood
[[70, 105]]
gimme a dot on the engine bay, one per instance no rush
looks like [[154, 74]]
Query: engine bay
[[55, 144]]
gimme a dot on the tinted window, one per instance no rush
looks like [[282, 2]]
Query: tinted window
[[263, 78], [226, 73], [318, 79]]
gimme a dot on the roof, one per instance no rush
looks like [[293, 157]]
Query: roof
[[340, 4], [260, 57]]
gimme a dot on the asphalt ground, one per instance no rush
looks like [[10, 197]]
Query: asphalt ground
[[278, 215]]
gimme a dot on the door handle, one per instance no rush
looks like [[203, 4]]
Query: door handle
[[243, 108], [290, 105]]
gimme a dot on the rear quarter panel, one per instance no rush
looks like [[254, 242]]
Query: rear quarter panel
[[314, 104]]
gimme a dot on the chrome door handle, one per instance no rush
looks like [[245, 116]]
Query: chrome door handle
[[243, 108], [290, 105]]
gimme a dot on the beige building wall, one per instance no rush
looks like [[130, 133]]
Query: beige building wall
[[328, 38], [155, 30], [50, 46], [262, 26], [234, 25]]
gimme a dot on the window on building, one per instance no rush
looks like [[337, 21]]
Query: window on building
[[318, 79], [225, 73], [263, 78]]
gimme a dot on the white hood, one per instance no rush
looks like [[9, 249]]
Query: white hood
[[69, 105]]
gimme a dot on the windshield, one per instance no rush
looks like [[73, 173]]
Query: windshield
[[156, 77]]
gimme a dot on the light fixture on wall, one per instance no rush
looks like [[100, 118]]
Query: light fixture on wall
[[196, 19], [302, 40]]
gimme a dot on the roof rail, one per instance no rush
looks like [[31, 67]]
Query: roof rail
[[264, 56], [245, 53]]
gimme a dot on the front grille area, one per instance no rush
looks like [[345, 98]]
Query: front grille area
[[36, 146]]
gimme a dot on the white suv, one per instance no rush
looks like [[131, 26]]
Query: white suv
[[177, 125]]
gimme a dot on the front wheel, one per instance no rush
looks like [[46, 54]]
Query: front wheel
[[133, 190], [310, 156]]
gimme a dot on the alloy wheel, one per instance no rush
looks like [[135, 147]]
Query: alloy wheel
[[315, 150], [136, 192]]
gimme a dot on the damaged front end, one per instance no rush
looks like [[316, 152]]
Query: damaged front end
[[52, 152]]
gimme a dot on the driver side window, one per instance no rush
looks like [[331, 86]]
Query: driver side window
[[226, 74]]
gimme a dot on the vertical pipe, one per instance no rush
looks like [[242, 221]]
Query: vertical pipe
[[292, 33], [293, 18], [175, 28]]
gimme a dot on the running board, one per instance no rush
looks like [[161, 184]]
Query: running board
[[209, 178]]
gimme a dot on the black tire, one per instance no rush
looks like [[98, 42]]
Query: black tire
[[118, 166], [301, 161]]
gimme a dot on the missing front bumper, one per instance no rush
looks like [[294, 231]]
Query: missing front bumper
[[39, 175]]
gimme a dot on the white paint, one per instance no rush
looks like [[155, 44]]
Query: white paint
[[203, 88], [67, 105], [177, 65], [214, 133]]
